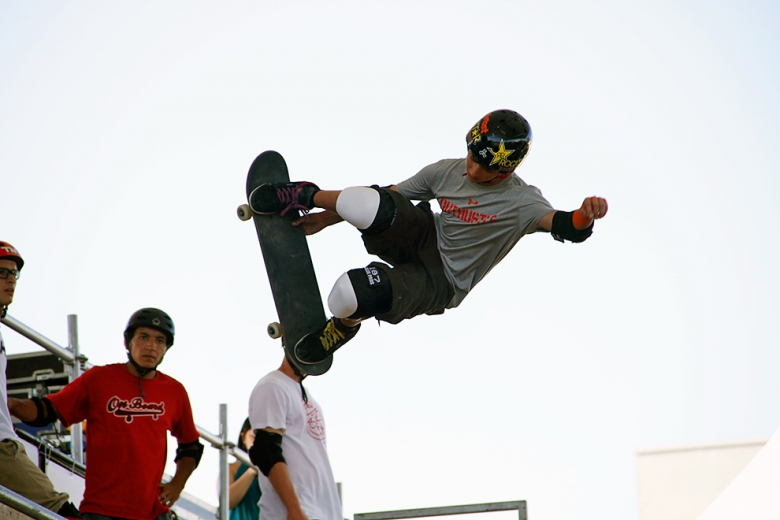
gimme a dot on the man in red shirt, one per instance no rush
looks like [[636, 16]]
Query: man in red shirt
[[129, 408]]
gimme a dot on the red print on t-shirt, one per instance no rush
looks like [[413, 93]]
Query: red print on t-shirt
[[134, 408], [314, 423], [464, 214]]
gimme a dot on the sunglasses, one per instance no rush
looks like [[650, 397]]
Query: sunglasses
[[5, 273]]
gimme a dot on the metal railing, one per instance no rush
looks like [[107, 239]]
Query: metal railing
[[518, 505], [78, 363], [26, 506], [46, 452]]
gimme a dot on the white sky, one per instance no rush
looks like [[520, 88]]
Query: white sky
[[127, 128]]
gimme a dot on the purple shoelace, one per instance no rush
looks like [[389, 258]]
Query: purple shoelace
[[289, 196]]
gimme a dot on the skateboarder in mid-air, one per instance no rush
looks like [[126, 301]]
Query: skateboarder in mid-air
[[434, 259]]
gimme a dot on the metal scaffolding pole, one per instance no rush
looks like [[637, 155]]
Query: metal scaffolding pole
[[76, 434], [224, 490]]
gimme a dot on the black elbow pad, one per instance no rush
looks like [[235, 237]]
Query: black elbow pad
[[193, 450], [563, 228], [266, 451], [46, 413]]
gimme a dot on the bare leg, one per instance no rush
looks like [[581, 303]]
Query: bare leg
[[327, 199], [350, 323]]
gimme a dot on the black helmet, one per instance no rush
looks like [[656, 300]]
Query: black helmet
[[500, 140], [152, 318]]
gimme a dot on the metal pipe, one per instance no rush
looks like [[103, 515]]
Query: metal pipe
[[26, 506], [242, 456], [224, 489], [217, 443], [519, 505], [38, 338], [76, 433], [51, 454]]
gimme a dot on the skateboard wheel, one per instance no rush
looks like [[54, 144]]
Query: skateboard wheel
[[275, 330], [244, 212]]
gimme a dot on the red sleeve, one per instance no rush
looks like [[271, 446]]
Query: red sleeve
[[184, 430], [72, 402]]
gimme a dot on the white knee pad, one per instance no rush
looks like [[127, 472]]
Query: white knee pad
[[358, 206], [342, 300]]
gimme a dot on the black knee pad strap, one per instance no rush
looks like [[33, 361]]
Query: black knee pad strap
[[385, 214], [372, 289]]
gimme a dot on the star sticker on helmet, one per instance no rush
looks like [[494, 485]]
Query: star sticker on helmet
[[501, 155]]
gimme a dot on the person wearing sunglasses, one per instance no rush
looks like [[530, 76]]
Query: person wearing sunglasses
[[432, 260], [17, 472]]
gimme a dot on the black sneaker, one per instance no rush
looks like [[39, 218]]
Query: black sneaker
[[318, 345], [68, 510], [281, 197]]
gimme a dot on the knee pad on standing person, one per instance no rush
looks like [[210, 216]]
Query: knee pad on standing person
[[361, 293], [371, 210]]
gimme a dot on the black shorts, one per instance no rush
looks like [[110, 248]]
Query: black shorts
[[417, 276]]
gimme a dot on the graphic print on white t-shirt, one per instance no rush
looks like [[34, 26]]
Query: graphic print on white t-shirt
[[314, 424]]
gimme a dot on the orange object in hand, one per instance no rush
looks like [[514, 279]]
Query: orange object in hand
[[579, 220]]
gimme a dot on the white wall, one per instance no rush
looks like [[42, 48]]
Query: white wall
[[679, 483]]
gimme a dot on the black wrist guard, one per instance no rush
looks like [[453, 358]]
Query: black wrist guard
[[46, 413], [192, 449], [563, 228], [266, 451]]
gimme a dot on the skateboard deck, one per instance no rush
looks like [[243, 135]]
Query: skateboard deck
[[288, 264]]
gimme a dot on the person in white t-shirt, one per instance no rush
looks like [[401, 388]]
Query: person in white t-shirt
[[296, 479]]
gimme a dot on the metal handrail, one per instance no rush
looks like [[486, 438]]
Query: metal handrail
[[216, 442], [26, 506], [519, 505], [53, 454], [36, 337]]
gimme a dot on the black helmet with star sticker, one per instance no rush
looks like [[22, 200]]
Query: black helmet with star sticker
[[500, 140]]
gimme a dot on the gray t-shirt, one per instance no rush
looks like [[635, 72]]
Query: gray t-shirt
[[478, 225]]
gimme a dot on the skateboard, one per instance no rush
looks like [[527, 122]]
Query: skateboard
[[288, 264]]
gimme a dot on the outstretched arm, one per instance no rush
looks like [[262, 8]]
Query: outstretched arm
[[22, 409], [316, 222], [35, 412], [575, 226], [592, 208]]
